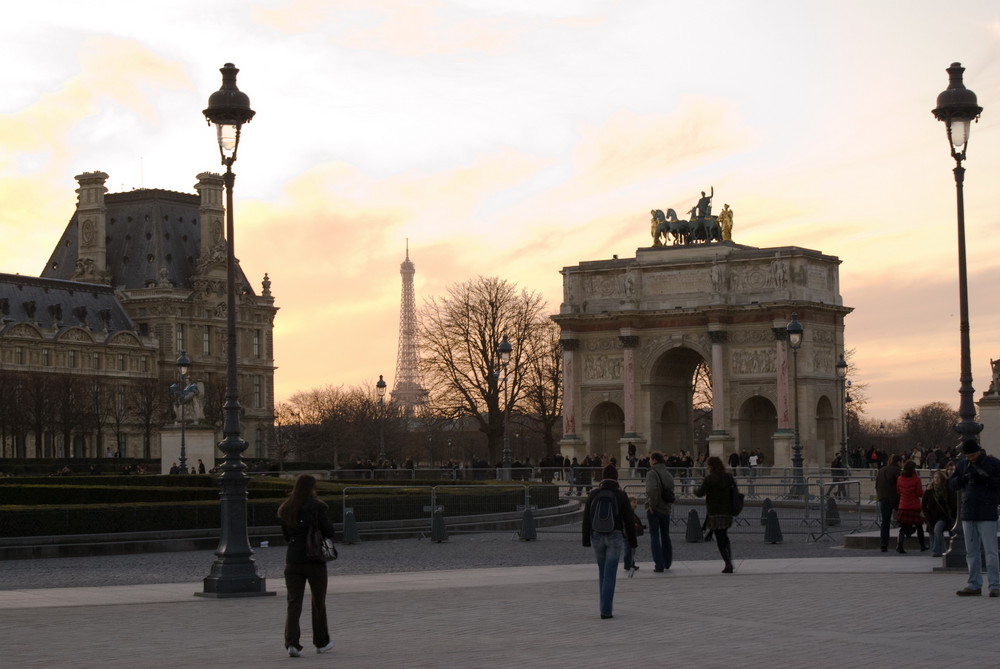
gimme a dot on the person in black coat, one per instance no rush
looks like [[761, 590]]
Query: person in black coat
[[299, 514], [977, 477]]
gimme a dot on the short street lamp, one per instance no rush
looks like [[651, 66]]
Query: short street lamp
[[380, 391], [504, 348], [794, 330], [183, 392], [958, 108], [234, 573]]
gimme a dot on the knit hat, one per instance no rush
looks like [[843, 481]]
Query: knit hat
[[970, 446], [610, 472]]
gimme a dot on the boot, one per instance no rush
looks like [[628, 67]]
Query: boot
[[899, 543], [727, 555]]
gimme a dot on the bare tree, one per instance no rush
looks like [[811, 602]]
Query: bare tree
[[931, 426], [460, 362], [148, 403], [543, 383]]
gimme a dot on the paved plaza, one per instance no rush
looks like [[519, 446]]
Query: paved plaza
[[862, 610]]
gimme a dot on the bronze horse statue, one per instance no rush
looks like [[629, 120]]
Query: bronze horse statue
[[698, 229]]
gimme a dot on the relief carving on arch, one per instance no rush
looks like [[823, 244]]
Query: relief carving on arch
[[754, 361], [603, 367]]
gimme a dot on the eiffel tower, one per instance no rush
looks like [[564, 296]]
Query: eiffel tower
[[407, 391]]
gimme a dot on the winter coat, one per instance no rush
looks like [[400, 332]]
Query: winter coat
[[656, 478], [314, 512], [910, 490], [939, 504], [625, 522], [980, 485], [885, 484], [718, 494]]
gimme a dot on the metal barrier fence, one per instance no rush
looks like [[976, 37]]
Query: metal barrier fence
[[802, 507]]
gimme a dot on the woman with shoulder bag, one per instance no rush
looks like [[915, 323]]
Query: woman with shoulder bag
[[717, 489], [302, 512]]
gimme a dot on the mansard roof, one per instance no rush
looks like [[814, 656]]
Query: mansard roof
[[152, 236], [52, 303]]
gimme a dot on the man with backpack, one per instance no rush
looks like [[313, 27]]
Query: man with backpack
[[608, 522], [659, 505]]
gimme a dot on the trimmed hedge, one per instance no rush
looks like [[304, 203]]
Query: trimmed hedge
[[99, 505]]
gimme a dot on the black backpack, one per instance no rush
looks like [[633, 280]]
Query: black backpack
[[604, 511]]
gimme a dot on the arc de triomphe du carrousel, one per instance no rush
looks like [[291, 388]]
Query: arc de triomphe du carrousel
[[684, 347]]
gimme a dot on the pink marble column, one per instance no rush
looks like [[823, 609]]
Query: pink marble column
[[719, 399], [781, 380], [629, 343], [569, 347]]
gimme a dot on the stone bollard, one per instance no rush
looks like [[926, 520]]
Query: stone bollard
[[351, 535], [772, 533], [832, 513], [439, 532], [528, 532], [764, 508], [693, 535]]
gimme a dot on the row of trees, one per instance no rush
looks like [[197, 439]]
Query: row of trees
[[72, 415]]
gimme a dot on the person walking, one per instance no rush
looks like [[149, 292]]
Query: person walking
[[888, 496], [299, 514], [939, 504], [659, 488], [717, 489], [909, 516], [608, 523], [977, 477]]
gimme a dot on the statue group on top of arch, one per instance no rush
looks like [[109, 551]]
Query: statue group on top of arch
[[702, 228]]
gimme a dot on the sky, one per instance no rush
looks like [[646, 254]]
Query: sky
[[513, 138]]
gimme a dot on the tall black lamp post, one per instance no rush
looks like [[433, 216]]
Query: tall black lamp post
[[234, 573], [504, 348], [184, 392], [841, 368], [957, 107], [380, 391], [794, 330]]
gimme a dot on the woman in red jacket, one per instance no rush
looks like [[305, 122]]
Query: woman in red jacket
[[911, 492]]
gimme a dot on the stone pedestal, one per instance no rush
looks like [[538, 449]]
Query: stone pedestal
[[721, 444], [783, 441], [989, 416], [199, 443]]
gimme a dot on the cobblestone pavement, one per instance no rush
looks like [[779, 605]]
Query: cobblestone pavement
[[554, 546], [489, 600], [879, 610]]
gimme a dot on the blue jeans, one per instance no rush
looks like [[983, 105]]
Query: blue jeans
[[607, 550], [629, 554], [885, 508], [659, 539], [981, 532], [937, 537]]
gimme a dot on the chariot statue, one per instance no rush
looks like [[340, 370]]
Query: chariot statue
[[702, 228]]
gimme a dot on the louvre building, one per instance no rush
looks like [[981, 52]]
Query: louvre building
[[88, 349]]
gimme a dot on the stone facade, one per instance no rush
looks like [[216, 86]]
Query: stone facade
[[634, 331], [158, 259]]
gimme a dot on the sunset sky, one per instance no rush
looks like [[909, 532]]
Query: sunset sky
[[516, 137]]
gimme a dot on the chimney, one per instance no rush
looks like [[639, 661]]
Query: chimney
[[92, 258], [211, 216]]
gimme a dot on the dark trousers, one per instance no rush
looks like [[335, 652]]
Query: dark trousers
[[886, 507], [296, 577]]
